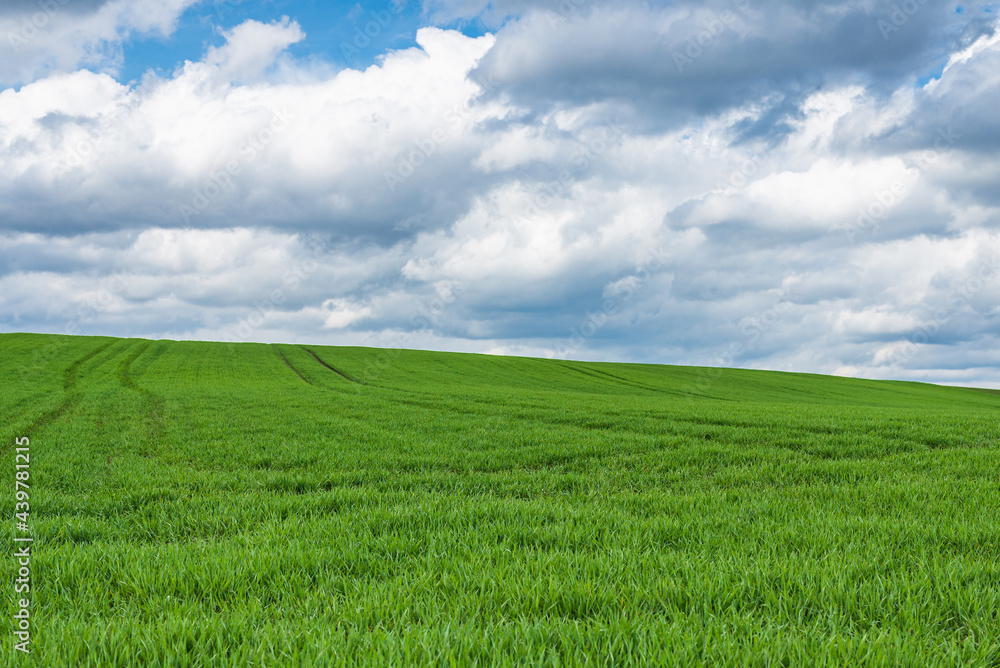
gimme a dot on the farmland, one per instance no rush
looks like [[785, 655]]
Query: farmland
[[211, 504]]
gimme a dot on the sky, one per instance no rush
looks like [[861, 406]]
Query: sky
[[802, 186]]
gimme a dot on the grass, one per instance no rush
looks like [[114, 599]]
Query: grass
[[205, 504]]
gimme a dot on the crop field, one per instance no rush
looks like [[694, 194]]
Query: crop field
[[212, 504]]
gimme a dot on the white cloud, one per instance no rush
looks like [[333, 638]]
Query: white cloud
[[251, 48], [55, 35], [404, 203], [829, 192], [329, 145], [339, 313]]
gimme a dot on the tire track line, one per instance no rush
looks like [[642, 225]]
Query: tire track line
[[605, 376], [70, 378], [291, 366], [155, 405], [336, 371]]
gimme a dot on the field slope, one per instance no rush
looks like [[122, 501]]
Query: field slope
[[208, 504]]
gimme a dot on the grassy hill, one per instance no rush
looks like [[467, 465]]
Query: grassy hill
[[228, 504]]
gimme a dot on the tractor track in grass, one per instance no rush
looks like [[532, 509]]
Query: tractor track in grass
[[155, 405], [604, 375], [70, 395], [291, 366], [125, 368], [336, 371]]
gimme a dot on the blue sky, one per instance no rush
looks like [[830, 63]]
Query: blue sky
[[807, 186], [344, 34]]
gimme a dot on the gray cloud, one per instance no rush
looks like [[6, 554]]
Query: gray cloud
[[505, 194], [674, 63]]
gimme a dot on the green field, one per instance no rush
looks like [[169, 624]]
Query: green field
[[211, 504]]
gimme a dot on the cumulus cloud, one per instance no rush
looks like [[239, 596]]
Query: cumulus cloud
[[251, 48], [353, 153], [810, 192], [44, 36], [675, 62]]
